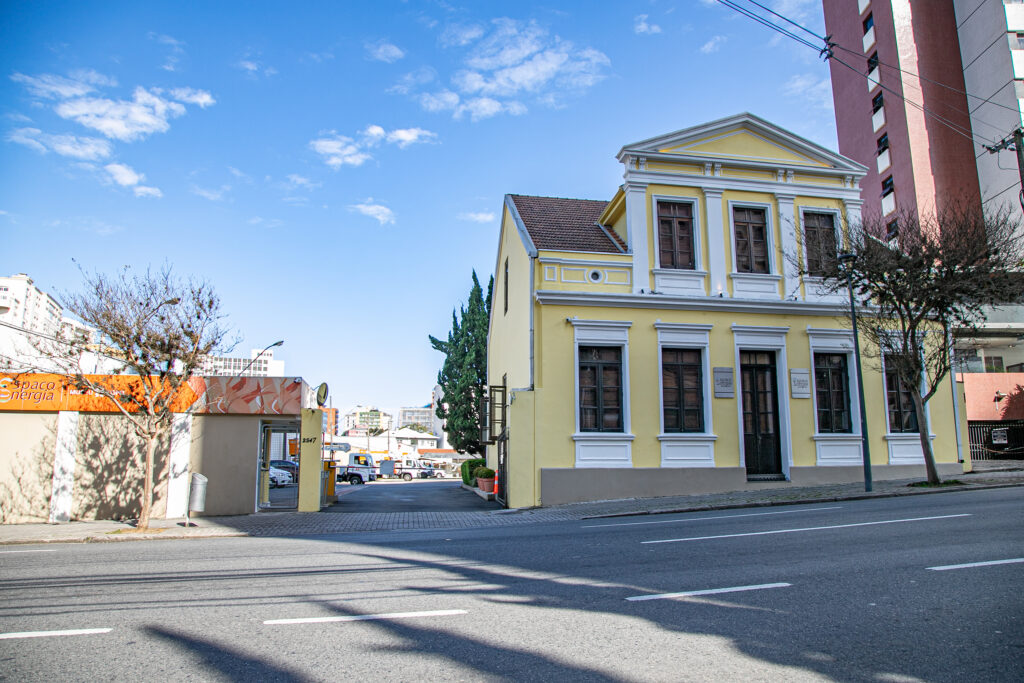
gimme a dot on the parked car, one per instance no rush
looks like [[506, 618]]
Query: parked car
[[279, 477], [288, 466]]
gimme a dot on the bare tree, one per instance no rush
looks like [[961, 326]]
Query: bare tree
[[919, 279], [153, 328]]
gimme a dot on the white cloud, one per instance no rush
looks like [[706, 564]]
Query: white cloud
[[146, 113], [412, 80], [213, 195], [253, 67], [378, 212], [460, 35], [201, 98], [90, 149], [123, 175], [383, 51], [446, 100], [49, 86], [126, 176], [341, 150], [812, 89], [712, 45], [403, 137], [503, 64], [640, 25], [177, 49], [296, 181], [145, 191], [239, 174], [338, 150], [477, 216]]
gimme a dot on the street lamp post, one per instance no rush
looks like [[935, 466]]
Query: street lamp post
[[848, 259], [257, 356]]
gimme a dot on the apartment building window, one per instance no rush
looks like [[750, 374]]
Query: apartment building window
[[832, 393], [876, 103], [505, 285], [820, 242], [892, 230], [600, 382], [872, 62], [869, 23], [682, 390], [887, 186], [900, 405], [993, 364], [675, 235], [883, 143], [751, 233]]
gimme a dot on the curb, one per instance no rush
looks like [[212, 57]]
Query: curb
[[803, 501]]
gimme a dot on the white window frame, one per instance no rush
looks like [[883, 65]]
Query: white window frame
[[904, 447], [755, 285], [837, 449], [686, 449], [679, 280], [814, 284], [602, 449]]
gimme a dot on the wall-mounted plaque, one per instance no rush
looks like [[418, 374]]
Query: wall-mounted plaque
[[800, 383], [723, 383]]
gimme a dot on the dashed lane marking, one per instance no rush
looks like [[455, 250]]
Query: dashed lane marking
[[700, 519], [971, 565], [710, 591], [49, 634], [812, 528], [367, 617]]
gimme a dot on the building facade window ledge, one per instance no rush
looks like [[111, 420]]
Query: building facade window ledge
[[678, 281], [817, 291], [905, 449], [603, 449], [755, 285], [687, 450]]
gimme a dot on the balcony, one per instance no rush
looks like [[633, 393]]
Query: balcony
[[888, 203], [883, 161], [874, 78], [862, 5], [878, 119], [1018, 63], [869, 39]]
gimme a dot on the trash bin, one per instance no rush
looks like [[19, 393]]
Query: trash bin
[[197, 493], [323, 487]]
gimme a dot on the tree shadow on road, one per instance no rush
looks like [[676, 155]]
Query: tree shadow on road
[[229, 663]]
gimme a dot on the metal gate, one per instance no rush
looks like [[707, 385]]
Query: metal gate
[[1002, 440]]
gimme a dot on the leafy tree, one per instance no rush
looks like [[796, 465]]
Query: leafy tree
[[464, 371], [935, 277], [150, 325]]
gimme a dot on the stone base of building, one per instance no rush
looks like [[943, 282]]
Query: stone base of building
[[578, 485]]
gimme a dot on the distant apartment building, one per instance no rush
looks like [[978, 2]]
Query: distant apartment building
[[331, 420], [898, 90], [366, 417], [260, 363], [422, 415], [27, 307], [437, 424]]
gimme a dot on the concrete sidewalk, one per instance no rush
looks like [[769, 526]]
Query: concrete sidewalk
[[286, 524]]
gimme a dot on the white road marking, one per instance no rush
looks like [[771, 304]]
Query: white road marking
[[46, 550], [970, 565], [700, 519], [47, 634], [710, 591], [812, 528], [368, 617]]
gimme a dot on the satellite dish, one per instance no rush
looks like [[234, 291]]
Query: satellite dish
[[321, 395]]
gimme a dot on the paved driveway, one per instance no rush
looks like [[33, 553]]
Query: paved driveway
[[423, 495]]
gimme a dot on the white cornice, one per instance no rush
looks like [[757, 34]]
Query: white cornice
[[696, 303], [549, 260], [722, 184]]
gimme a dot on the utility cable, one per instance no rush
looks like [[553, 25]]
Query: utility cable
[[787, 19], [764, 22]]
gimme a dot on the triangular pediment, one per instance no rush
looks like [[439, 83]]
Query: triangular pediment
[[743, 137]]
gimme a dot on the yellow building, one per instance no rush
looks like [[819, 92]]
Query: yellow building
[[664, 342]]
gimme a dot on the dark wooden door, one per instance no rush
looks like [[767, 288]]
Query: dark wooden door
[[501, 490], [760, 413]]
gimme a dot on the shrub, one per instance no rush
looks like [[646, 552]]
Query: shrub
[[484, 473], [467, 470]]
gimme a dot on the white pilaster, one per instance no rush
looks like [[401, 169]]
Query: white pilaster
[[716, 243], [64, 466], [851, 209], [790, 248], [636, 233], [178, 476]]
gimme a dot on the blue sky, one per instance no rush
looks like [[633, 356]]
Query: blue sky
[[336, 169]]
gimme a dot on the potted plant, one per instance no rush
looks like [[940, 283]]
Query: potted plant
[[484, 479]]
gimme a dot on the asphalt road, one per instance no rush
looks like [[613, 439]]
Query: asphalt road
[[861, 590], [418, 495]]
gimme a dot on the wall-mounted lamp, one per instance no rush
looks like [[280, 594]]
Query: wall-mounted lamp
[[999, 397]]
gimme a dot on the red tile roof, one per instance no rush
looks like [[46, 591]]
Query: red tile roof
[[566, 224]]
